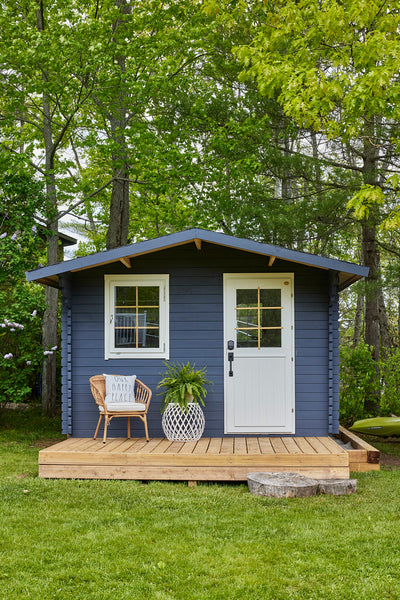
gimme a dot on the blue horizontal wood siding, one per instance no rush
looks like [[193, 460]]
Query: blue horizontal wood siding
[[196, 334]]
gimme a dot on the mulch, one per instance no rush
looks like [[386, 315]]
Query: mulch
[[390, 461]]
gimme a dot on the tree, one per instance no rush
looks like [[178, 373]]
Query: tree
[[334, 66], [22, 240], [45, 73]]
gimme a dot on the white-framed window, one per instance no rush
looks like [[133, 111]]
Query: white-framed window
[[136, 316]]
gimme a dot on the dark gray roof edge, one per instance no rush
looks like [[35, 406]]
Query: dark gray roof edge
[[187, 235]]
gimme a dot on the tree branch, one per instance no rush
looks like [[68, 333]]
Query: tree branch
[[66, 212]]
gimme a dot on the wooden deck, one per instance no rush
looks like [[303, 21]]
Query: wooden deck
[[209, 459], [362, 456]]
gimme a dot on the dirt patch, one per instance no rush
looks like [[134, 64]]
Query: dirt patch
[[45, 443], [389, 460]]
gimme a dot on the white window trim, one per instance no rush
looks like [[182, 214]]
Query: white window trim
[[110, 281]]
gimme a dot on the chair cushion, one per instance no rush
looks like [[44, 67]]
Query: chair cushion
[[120, 388], [123, 406]]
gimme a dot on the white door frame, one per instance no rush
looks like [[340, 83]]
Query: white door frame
[[289, 428]]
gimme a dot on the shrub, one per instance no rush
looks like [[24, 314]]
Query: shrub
[[21, 353], [390, 383], [359, 381]]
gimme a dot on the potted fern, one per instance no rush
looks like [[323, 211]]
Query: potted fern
[[184, 389]]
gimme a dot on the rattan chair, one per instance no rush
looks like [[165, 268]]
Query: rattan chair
[[142, 397]]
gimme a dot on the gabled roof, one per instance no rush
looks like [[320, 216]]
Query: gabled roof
[[348, 272]]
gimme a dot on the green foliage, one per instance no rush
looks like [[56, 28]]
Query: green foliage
[[21, 242], [368, 196], [359, 381], [361, 377], [21, 354], [183, 384], [21, 238], [390, 383]]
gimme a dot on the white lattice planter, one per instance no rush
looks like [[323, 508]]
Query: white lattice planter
[[181, 426]]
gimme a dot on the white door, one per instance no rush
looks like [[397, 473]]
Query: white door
[[259, 353]]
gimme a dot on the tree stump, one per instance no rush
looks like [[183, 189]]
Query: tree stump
[[337, 487], [281, 485]]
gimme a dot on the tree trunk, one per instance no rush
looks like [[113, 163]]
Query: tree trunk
[[118, 227], [50, 319], [386, 339], [358, 320], [398, 321], [371, 257], [371, 260]]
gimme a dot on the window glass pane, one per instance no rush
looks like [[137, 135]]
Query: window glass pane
[[151, 317], [151, 339], [125, 332], [247, 339], [137, 326], [271, 338], [125, 296], [246, 298], [149, 295], [270, 297], [271, 318]]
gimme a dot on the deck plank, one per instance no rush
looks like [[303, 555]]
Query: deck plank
[[265, 445], [219, 473], [331, 445], [62, 444], [240, 446], [202, 446], [291, 445], [304, 446], [128, 443], [81, 443], [188, 448], [175, 447], [215, 446], [253, 446], [136, 447], [278, 446], [317, 445], [227, 446], [162, 447], [151, 445], [112, 445]]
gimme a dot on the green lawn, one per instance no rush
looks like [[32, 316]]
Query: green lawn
[[122, 539]]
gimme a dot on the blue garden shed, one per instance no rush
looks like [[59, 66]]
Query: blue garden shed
[[200, 296]]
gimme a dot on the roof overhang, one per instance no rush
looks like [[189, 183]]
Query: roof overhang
[[348, 272]]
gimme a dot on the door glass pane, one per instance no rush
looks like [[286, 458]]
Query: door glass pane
[[271, 338], [247, 318], [246, 298], [137, 317], [270, 297], [258, 318], [247, 338], [271, 317]]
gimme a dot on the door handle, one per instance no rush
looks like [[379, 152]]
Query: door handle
[[230, 359]]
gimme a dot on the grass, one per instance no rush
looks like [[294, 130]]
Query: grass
[[164, 541]]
